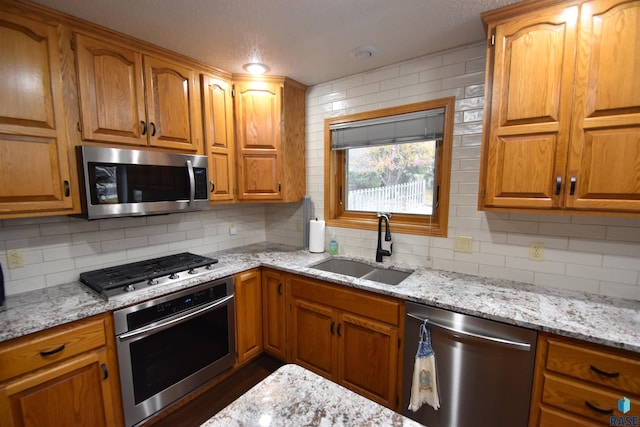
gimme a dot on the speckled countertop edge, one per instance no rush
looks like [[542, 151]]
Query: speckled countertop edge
[[610, 321], [294, 396]]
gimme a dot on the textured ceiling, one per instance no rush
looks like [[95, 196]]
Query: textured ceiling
[[310, 41]]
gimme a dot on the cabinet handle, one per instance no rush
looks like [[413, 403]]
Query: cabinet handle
[[558, 185], [572, 190], [51, 352], [144, 127], [153, 129], [213, 186], [279, 186], [604, 373], [339, 329], [105, 371], [67, 190], [595, 408], [279, 288], [332, 325]]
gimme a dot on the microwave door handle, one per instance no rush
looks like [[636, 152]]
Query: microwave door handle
[[192, 182]]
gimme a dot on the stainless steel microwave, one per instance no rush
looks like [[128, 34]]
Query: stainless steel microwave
[[121, 182]]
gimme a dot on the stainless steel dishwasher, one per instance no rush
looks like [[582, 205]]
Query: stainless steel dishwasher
[[484, 369]]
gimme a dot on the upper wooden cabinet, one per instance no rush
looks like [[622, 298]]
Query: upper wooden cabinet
[[270, 139], [35, 176], [562, 111], [127, 97], [217, 117]]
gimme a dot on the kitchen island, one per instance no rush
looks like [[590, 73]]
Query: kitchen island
[[294, 396]]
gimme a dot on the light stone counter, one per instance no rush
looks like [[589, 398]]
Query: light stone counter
[[294, 396], [611, 321]]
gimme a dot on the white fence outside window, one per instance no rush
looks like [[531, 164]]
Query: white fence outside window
[[411, 197]]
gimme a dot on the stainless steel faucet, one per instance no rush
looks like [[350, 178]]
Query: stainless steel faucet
[[387, 236]]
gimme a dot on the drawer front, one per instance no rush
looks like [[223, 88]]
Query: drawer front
[[583, 399], [384, 309], [552, 418], [38, 350], [621, 372]]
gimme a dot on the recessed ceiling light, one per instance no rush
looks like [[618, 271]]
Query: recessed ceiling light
[[255, 68], [363, 52]]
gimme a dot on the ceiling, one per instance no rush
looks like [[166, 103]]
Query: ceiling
[[311, 41]]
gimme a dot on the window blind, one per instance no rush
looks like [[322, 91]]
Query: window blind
[[398, 129]]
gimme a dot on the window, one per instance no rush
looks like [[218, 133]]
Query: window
[[394, 160]]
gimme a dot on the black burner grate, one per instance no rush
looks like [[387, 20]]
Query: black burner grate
[[128, 274]]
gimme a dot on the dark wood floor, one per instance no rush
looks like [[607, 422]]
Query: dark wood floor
[[217, 398]]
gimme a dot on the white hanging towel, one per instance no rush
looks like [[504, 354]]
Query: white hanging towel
[[424, 387]]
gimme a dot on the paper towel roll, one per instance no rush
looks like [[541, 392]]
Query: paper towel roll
[[316, 236]]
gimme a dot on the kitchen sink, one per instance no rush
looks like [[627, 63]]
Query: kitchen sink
[[362, 270]]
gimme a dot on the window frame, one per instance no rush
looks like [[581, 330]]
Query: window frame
[[334, 176]]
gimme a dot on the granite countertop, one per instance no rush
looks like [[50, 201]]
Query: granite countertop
[[611, 321], [295, 396]]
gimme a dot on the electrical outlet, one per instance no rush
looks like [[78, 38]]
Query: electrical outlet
[[536, 251], [462, 244], [15, 258], [233, 230]]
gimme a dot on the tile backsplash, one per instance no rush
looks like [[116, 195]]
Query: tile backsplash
[[592, 254]]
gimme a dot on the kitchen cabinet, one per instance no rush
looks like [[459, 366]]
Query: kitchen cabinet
[[580, 384], [65, 376], [128, 97], [35, 173], [248, 313], [270, 139], [217, 110], [351, 337], [562, 111], [274, 319]]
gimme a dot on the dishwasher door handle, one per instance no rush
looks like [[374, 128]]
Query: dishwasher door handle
[[516, 345]]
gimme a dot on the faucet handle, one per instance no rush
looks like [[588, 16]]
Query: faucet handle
[[385, 214]]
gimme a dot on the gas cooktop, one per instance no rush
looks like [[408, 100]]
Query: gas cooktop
[[123, 279]]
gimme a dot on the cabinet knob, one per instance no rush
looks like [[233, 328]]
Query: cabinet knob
[[213, 186], [279, 288], [144, 127], [333, 324], [605, 373], [153, 129], [558, 185], [52, 352], [67, 189]]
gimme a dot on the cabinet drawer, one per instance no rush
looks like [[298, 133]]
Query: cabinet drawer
[[600, 367], [384, 309], [550, 417], [580, 398], [37, 350]]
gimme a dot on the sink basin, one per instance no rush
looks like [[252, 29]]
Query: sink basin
[[363, 270]]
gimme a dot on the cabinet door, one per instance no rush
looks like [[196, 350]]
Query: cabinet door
[[531, 99], [73, 393], [368, 358], [604, 159], [218, 136], [313, 338], [111, 92], [258, 122], [34, 170], [172, 105], [274, 314], [248, 311]]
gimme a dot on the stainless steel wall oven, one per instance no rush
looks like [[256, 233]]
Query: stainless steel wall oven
[[171, 345]]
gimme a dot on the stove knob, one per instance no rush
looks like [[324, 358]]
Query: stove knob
[[152, 282], [192, 271], [129, 288], [174, 276]]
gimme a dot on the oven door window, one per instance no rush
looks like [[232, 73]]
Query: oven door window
[[164, 358]]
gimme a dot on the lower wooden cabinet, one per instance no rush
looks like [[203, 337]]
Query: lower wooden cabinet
[[349, 336], [64, 376], [581, 384], [274, 319], [248, 313]]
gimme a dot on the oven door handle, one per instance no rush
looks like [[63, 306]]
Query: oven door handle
[[173, 321]]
